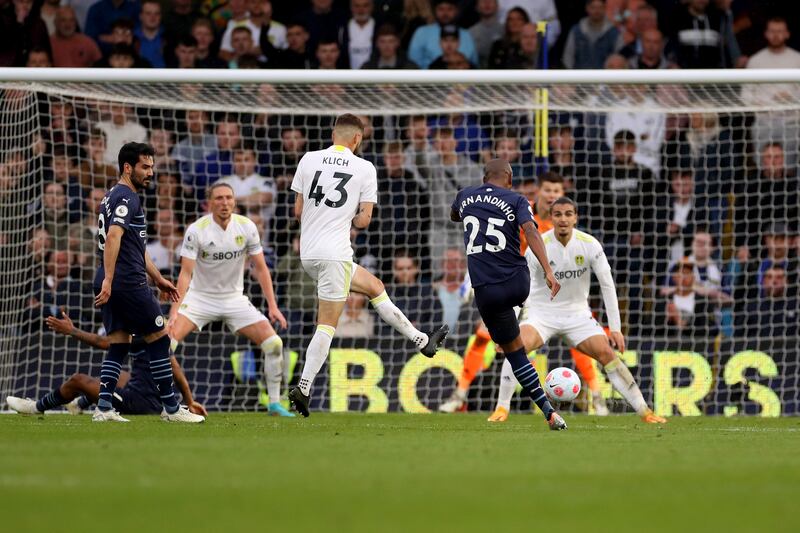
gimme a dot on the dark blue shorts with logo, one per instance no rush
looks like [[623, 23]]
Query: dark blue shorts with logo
[[496, 302], [134, 311]]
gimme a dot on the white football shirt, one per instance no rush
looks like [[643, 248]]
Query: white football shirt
[[572, 265], [333, 183], [220, 254]]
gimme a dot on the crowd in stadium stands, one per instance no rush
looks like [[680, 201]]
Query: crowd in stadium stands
[[698, 213]]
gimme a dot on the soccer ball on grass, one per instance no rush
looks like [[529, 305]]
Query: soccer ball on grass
[[562, 385]]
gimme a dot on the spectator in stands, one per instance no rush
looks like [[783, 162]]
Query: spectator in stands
[[102, 16], [592, 40], [150, 34], [706, 271], [419, 146], [39, 246], [295, 290], [122, 56], [685, 312], [297, 55], [120, 128], [81, 8], [171, 196], [678, 214], [48, 14], [778, 240], [356, 321], [425, 44], [454, 268], [164, 250], [508, 44], [445, 171], [55, 214], [177, 22], [59, 289], [387, 53], [487, 30], [196, 146], [322, 20], [270, 30], [699, 37], [535, 10], [94, 170], [414, 297], [242, 45], [403, 210], [254, 193], [772, 195], [471, 138], [70, 48], [38, 58], [240, 18], [561, 158], [776, 312], [645, 19], [415, 14], [23, 31], [652, 52], [65, 173], [526, 54], [203, 32], [162, 140], [449, 46], [185, 52], [122, 44], [529, 188], [777, 53], [506, 146], [83, 234], [328, 54], [218, 163], [359, 34]]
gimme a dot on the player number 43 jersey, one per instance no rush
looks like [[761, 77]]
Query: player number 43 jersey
[[333, 182]]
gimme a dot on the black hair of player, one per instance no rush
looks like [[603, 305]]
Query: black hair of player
[[550, 177], [132, 152], [565, 201]]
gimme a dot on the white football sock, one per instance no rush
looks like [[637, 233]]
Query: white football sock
[[508, 384], [272, 348], [622, 380], [395, 318], [316, 353]]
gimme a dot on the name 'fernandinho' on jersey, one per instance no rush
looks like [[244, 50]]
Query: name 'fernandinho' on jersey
[[333, 182], [505, 207]]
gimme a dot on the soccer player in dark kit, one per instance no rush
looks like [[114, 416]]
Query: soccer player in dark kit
[[492, 215], [127, 303]]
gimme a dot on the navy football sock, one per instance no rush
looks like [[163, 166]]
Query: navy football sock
[[161, 369], [50, 401], [109, 374], [84, 402], [528, 377]]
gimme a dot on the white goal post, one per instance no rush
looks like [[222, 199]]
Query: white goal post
[[669, 168]]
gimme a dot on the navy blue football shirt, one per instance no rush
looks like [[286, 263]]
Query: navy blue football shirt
[[492, 217], [122, 207]]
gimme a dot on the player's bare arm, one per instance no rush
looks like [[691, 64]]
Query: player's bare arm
[[64, 326], [537, 247], [168, 291], [264, 277], [110, 254], [364, 215], [298, 206], [184, 278]]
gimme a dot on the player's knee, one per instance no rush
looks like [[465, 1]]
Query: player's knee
[[377, 287], [77, 382], [605, 355]]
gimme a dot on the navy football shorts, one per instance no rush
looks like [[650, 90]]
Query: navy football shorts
[[135, 311], [130, 401], [496, 304]]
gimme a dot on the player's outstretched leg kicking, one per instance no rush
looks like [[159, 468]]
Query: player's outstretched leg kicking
[[334, 190], [575, 255], [493, 215]]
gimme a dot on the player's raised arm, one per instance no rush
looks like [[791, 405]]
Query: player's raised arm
[[536, 245], [113, 238], [602, 270], [64, 326]]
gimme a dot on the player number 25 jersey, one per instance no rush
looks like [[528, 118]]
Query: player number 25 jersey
[[333, 182], [220, 253]]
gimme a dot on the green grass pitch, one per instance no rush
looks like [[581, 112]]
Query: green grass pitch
[[404, 473]]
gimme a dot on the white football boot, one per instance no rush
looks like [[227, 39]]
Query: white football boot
[[24, 406], [182, 415], [107, 416]]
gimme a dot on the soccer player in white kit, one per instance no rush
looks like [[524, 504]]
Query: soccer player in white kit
[[336, 190], [574, 255], [211, 284]]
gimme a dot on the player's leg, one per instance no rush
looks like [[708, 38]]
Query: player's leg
[[366, 283], [532, 340], [473, 364], [61, 395], [262, 334], [597, 346], [179, 329]]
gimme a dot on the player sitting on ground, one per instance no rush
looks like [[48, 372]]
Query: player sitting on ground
[[334, 190], [574, 256], [211, 284], [550, 188], [121, 291], [136, 393], [493, 215]]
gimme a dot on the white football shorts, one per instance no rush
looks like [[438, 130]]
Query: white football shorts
[[333, 278], [236, 311], [574, 327]]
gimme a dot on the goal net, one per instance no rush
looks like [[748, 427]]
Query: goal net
[[691, 187]]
